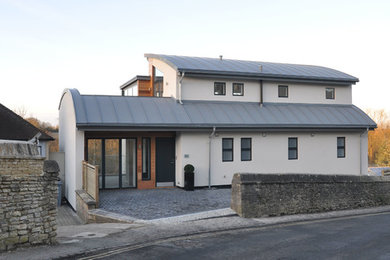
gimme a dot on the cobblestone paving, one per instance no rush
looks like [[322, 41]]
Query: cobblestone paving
[[160, 203]]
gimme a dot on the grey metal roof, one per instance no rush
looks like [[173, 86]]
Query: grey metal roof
[[212, 66], [124, 112]]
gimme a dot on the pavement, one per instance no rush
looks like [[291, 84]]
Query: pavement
[[67, 217], [76, 241], [163, 202], [353, 237]]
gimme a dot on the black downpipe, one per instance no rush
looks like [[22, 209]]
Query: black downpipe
[[261, 93]]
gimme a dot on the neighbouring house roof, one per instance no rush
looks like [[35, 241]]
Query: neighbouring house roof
[[136, 78], [14, 127], [124, 112], [268, 70]]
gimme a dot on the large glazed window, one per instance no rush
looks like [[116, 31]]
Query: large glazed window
[[145, 158], [292, 148], [95, 156], [129, 162], [111, 160], [227, 149]]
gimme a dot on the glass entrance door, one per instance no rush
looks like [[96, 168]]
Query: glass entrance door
[[111, 163], [117, 161], [129, 162], [95, 157]]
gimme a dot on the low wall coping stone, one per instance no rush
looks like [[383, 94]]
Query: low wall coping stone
[[86, 197], [247, 178], [50, 166]]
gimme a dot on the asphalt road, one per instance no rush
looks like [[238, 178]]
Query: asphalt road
[[358, 237]]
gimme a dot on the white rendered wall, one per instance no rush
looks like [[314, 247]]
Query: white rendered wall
[[71, 142], [170, 77], [305, 93], [45, 148], [192, 148], [203, 89], [316, 155]]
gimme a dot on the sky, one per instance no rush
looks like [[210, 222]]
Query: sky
[[95, 46]]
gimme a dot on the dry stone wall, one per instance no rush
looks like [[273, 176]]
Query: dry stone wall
[[258, 195], [28, 200]]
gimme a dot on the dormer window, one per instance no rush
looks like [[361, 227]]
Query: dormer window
[[238, 89], [283, 91], [329, 93], [220, 88]]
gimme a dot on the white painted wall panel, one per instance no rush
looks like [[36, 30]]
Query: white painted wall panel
[[305, 93], [203, 89], [170, 77], [316, 155], [195, 145], [71, 142]]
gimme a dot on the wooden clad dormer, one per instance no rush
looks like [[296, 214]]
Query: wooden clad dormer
[[140, 86]]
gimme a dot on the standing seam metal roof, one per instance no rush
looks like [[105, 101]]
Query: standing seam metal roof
[[214, 66], [151, 112]]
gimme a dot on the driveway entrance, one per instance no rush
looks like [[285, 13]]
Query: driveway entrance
[[163, 202]]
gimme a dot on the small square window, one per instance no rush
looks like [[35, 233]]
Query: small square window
[[329, 93], [283, 91], [220, 88], [238, 89]]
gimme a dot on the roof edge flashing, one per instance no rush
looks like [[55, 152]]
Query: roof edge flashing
[[159, 57], [265, 76]]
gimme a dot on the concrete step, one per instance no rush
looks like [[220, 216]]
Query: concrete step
[[102, 216]]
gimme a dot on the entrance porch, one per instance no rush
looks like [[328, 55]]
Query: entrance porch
[[142, 160]]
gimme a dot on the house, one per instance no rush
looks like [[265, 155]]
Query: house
[[222, 116], [14, 127]]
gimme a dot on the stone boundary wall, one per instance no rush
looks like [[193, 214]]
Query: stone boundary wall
[[259, 195], [28, 201]]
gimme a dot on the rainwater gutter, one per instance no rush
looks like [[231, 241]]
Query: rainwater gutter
[[210, 137]]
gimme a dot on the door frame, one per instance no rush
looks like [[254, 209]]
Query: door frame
[[174, 159]]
